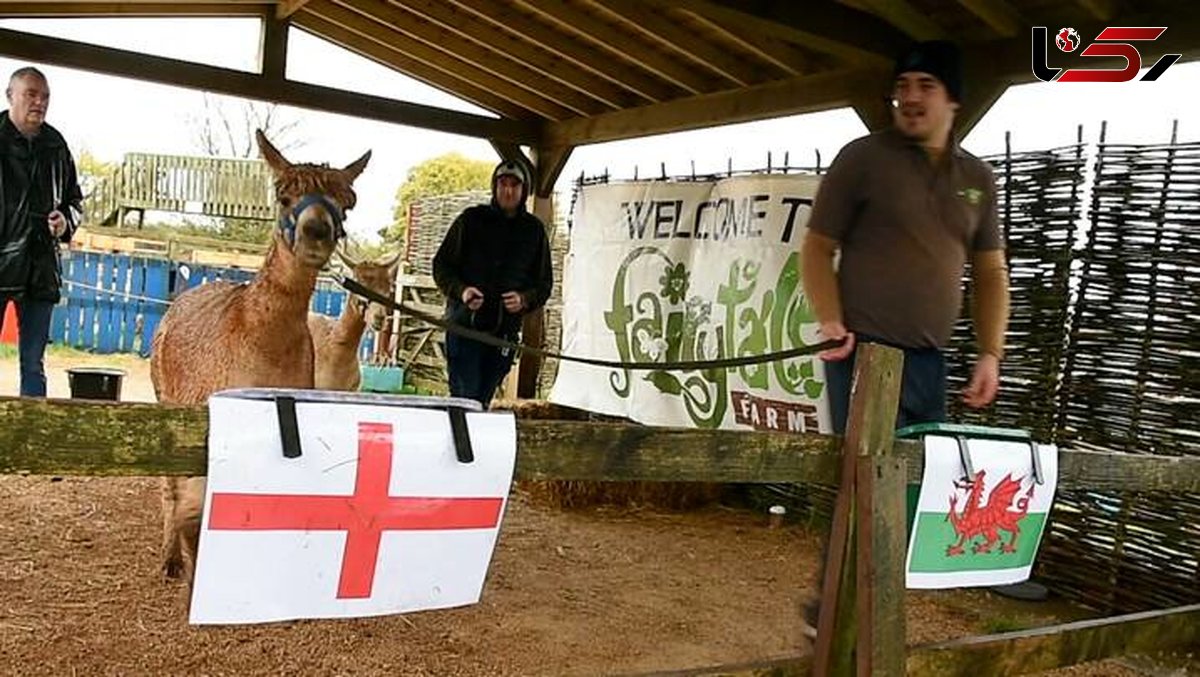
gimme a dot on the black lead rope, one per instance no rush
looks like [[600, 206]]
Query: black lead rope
[[354, 287]]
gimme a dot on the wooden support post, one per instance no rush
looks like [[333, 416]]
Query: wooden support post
[[875, 396], [550, 162], [273, 48]]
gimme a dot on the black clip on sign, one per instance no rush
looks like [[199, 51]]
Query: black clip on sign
[[289, 430], [461, 435]]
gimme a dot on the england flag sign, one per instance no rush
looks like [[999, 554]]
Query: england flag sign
[[376, 516]]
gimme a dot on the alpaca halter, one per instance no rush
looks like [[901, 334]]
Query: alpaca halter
[[287, 222]]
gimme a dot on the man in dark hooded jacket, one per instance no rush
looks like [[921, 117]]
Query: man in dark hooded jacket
[[493, 267], [39, 207]]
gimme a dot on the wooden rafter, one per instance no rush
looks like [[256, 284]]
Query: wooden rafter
[[133, 9], [570, 50], [506, 46], [774, 99], [999, 15], [400, 25], [637, 16], [372, 30], [783, 55], [617, 44], [124, 63], [286, 8], [901, 14], [842, 32], [402, 63]]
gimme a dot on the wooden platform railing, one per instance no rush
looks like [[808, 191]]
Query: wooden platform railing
[[71, 437], [219, 187]]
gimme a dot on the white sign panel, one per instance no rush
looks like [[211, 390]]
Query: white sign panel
[[664, 271], [376, 516], [984, 529]]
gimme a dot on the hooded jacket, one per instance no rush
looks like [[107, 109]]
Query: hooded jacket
[[37, 176], [497, 253]]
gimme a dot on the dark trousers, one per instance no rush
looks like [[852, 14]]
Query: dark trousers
[[33, 326], [922, 400], [476, 369], [922, 388]]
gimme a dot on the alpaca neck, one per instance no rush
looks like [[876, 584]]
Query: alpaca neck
[[350, 326], [283, 287]]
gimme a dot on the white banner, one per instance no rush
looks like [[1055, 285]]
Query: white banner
[[662, 271], [376, 516]]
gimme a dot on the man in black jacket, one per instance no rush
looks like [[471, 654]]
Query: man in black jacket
[[493, 267], [39, 207]]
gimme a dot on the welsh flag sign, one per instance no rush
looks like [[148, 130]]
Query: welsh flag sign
[[376, 516], [983, 527]]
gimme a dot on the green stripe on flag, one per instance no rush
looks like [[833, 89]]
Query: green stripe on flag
[[934, 534]]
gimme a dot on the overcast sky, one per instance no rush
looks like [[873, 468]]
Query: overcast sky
[[111, 116]]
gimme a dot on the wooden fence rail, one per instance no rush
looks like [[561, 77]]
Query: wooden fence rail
[[862, 621], [78, 437]]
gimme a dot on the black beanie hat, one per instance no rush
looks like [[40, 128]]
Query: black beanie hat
[[939, 58]]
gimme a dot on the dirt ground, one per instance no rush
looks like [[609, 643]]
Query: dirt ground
[[595, 591]]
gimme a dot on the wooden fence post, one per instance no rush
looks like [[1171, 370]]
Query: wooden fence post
[[862, 597]]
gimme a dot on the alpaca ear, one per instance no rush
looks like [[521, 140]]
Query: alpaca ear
[[355, 168], [273, 157]]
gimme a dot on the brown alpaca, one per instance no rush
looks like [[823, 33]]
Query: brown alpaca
[[336, 341], [223, 335]]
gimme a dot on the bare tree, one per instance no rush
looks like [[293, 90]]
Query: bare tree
[[226, 127]]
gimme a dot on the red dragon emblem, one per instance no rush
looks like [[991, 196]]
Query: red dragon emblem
[[988, 520]]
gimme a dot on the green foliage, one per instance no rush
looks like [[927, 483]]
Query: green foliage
[[441, 175]]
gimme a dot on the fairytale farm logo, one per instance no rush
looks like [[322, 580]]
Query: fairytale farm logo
[[750, 316]]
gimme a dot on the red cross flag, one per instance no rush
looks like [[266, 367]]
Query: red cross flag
[[376, 516]]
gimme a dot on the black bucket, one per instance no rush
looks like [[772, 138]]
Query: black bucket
[[95, 383]]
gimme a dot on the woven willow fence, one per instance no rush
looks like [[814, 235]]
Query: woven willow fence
[[1038, 198], [1131, 380]]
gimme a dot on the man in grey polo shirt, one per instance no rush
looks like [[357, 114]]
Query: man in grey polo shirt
[[907, 208]]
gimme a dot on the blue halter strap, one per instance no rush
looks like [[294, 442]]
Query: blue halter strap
[[287, 222]]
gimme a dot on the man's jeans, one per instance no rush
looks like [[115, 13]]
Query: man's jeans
[[476, 369], [33, 325], [922, 389]]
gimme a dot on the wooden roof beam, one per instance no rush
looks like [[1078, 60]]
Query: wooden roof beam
[[123, 63], [286, 8], [502, 46], [570, 50], [514, 78], [386, 56], [850, 35], [760, 102], [783, 55], [454, 69], [665, 31], [617, 44], [999, 15], [63, 10], [901, 14]]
